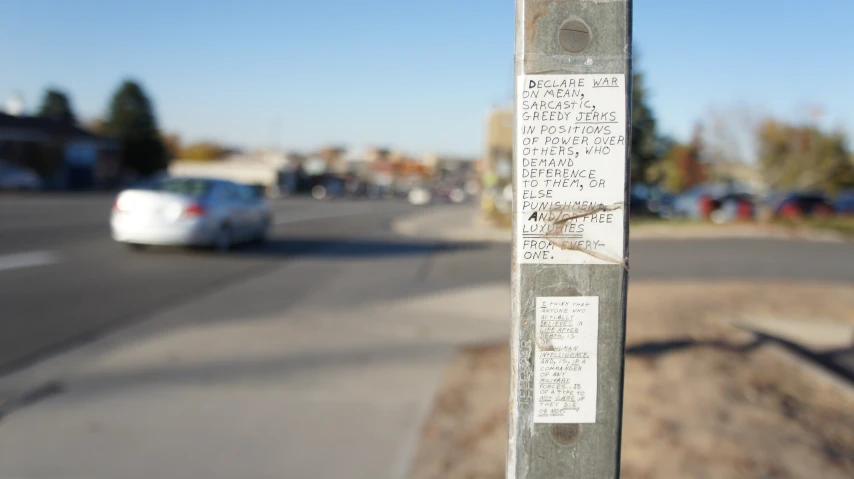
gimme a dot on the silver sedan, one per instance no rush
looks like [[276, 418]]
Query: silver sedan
[[190, 212]]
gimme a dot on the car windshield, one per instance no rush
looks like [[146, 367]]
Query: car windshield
[[183, 186]]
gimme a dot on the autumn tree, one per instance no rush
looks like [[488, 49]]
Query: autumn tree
[[205, 150], [682, 165], [56, 106], [172, 144], [803, 157], [131, 120]]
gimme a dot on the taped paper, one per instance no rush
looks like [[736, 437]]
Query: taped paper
[[571, 168], [565, 369]]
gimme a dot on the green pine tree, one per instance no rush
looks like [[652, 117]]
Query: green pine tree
[[646, 144], [131, 120], [56, 106]]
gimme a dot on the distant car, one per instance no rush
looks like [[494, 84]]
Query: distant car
[[689, 204], [327, 187], [718, 202], [16, 178], [646, 200], [450, 194], [190, 212], [844, 204], [419, 196], [732, 207], [801, 205]]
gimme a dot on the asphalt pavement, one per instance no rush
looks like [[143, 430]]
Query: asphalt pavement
[[742, 258], [315, 355], [63, 280]]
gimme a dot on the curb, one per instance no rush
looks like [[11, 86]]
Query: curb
[[422, 225], [803, 359], [811, 368]]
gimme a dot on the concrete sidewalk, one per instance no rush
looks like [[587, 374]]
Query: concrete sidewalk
[[452, 223], [227, 387]]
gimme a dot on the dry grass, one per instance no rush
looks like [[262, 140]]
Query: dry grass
[[707, 406]]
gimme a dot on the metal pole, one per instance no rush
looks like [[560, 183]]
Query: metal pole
[[570, 221]]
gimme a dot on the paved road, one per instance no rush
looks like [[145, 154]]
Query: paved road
[[336, 325], [62, 279], [754, 259]]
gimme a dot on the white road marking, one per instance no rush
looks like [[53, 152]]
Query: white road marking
[[27, 260]]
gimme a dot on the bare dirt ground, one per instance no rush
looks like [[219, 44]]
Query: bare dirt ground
[[702, 399]]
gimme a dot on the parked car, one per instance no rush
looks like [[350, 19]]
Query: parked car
[[718, 202], [190, 212], [649, 200], [16, 178], [689, 203], [795, 205], [844, 203], [732, 207]]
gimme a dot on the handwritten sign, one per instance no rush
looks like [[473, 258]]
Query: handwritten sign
[[570, 157], [565, 369]]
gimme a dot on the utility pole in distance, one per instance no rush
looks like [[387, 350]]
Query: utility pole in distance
[[570, 235]]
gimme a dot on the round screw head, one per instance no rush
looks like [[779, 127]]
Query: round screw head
[[574, 36], [565, 434]]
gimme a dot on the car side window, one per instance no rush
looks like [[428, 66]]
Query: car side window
[[230, 192], [247, 194]]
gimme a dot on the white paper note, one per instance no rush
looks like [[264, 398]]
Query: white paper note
[[565, 370], [571, 168]]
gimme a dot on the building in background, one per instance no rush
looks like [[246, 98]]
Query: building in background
[[744, 174], [497, 166], [64, 155], [272, 171]]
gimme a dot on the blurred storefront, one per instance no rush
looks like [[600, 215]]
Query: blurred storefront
[[64, 155], [497, 172]]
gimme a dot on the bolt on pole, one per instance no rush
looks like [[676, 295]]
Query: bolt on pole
[[570, 236]]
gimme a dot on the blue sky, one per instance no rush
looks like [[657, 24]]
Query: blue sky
[[408, 74]]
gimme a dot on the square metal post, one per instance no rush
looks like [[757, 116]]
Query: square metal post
[[564, 424]]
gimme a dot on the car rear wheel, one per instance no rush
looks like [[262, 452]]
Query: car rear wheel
[[223, 240], [136, 246], [264, 231]]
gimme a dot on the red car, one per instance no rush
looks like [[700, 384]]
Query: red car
[[803, 205]]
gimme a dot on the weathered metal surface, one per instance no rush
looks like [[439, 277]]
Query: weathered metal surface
[[569, 451]]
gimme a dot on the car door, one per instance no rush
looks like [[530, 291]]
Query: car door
[[233, 209], [253, 209]]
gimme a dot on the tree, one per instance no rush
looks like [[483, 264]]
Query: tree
[[172, 144], [131, 120], [731, 137], [96, 125], [56, 106], [681, 167], [646, 144], [804, 157], [204, 150]]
